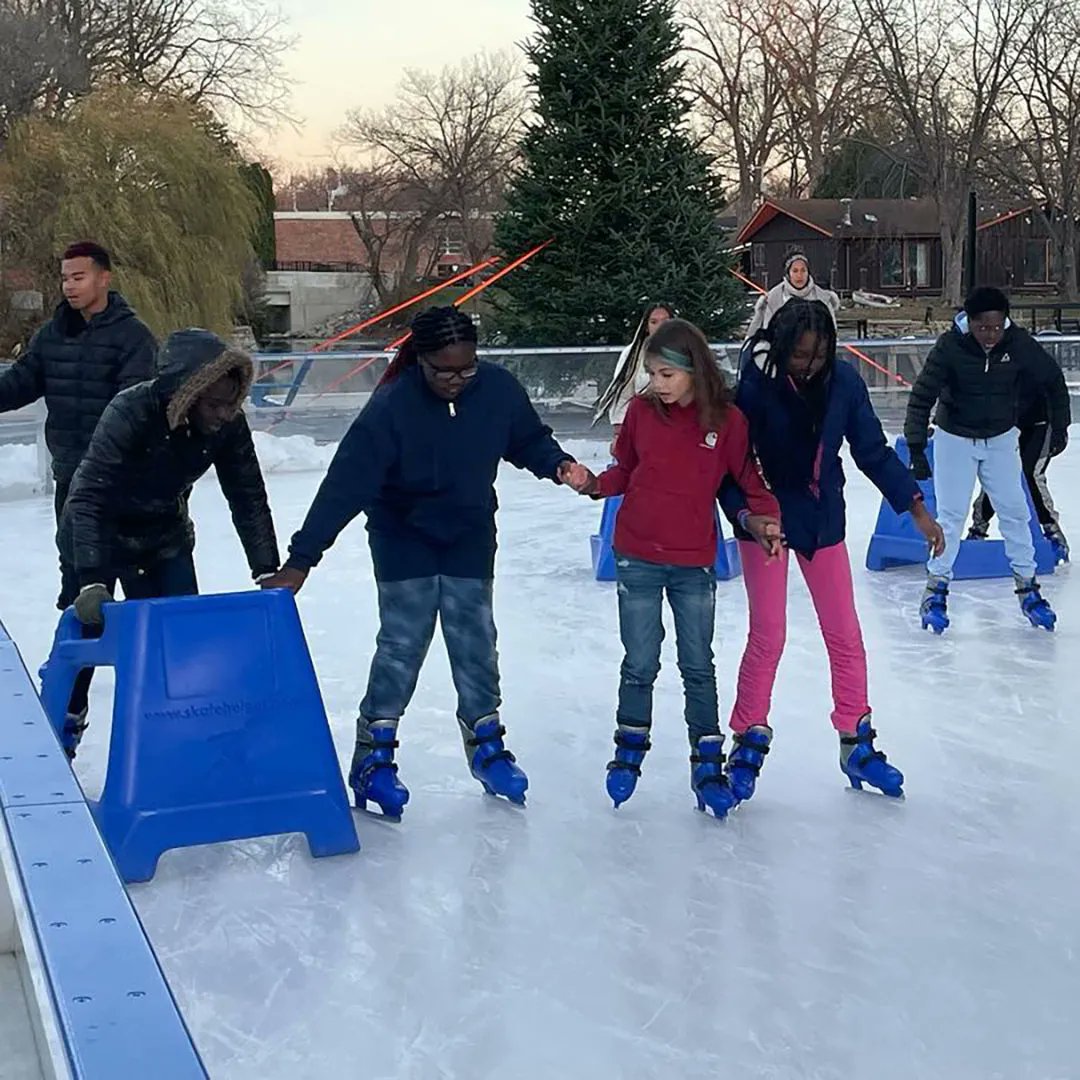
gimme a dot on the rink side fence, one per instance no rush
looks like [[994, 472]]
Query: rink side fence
[[98, 1001]]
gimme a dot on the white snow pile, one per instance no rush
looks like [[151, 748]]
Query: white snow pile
[[292, 453], [301, 453], [19, 471]]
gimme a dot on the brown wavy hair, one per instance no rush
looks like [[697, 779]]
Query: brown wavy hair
[[712, 395]]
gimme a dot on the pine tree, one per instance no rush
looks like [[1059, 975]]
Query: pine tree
[[610, 170]]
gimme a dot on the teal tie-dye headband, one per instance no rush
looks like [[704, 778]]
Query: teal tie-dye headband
[[676, 358]]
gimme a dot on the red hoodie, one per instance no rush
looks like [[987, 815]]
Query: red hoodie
[[670, 472]]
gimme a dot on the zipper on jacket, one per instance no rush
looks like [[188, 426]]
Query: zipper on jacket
[[450, 406]]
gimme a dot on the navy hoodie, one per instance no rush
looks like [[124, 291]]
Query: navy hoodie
[[423, 471], [799, 451]]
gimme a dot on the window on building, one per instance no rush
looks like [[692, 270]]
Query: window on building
[[451, 245], [904, 263], [892, 265], [918, 264], [1038, 262], [759, 256]]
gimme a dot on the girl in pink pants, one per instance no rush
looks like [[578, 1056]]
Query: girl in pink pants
[[801, 405]]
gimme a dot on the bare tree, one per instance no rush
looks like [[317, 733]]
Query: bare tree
[[448, 143], [820, 49], [1037, 151], [739, 89], [399, 234], [944, 67], [222, 54]]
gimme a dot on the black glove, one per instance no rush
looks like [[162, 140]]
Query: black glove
[[89, 602], [920, 467], [1059, 439]]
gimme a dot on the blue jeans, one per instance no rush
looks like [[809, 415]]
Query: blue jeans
[[691, 592], [996, 463], [407, 613]]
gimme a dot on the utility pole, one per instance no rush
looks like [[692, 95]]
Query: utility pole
[[970, 251]]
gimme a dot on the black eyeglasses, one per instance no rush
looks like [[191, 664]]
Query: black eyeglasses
[[446, 374]]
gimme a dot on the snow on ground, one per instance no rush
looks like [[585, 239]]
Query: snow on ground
[[818, 933], [19, 474]]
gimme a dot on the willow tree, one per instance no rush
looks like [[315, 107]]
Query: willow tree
[[142, 175]]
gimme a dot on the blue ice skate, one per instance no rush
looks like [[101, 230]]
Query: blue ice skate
[[934, 608], [373, 776], [707, 778], [1058, 544], [862, 763], [1034, 605], [631, 746], [491, 763], [745, 761], [75, 725]]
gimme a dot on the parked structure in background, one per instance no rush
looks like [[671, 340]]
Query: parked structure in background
[[331, 261], [893, 246]]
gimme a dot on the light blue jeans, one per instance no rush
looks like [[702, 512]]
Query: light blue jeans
[[407, 614], [995, 463]]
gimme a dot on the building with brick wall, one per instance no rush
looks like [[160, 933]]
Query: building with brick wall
[[328, 240]]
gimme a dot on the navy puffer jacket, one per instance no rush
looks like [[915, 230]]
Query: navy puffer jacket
[[78, 367]]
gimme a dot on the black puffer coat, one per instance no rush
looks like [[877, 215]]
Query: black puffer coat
[[127, 506], [79, 366], [980, 396]]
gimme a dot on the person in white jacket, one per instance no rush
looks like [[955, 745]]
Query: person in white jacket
[[797, 283], [630, 377]]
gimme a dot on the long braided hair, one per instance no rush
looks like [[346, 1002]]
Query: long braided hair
[[432, 330], [788, 325]]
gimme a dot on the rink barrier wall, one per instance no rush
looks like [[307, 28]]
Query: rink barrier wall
[[99, 1001]]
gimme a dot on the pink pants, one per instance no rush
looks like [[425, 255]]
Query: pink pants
[[828, 576]]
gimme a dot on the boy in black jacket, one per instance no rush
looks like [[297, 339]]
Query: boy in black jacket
[[93, 347], [126, 515], [974, 373]]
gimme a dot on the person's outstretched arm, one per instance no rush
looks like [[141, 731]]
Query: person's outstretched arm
[[531, 444], [242, 484], [924, 395], [1048, 376], [22, 382], [351, 485], [99, 480]]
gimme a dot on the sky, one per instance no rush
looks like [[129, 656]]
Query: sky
[[352, 53]]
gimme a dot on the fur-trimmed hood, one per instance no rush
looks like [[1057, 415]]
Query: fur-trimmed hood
[[189, 362]]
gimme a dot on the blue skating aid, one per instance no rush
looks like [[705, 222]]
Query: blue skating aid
[[218, 731], [728, 564], [1035, 606], [631, 746], [896, 541], [708, 780], [745, 761], [492, 764], [862, 763], [933, 611], [373, 778]]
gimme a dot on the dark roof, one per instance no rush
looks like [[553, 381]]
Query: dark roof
[[868, 217]]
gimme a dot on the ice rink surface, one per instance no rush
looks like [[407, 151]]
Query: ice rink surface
[[818, 934]]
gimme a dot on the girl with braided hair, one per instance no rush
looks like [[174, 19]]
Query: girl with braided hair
[[801, 405], [420, 461]]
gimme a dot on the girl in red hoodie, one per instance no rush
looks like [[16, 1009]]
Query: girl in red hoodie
[[678, 442]]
